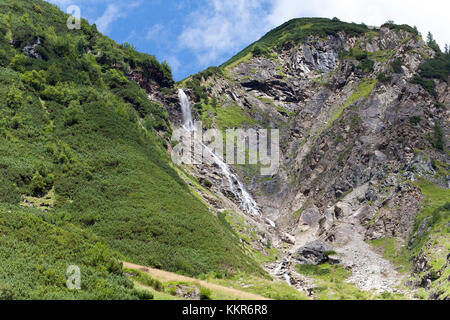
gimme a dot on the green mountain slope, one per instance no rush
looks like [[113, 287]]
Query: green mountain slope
[[35, 256], [82, 140]]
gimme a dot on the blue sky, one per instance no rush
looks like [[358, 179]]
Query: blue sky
[[194, 34]]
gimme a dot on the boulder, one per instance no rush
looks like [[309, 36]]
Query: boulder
[[315, 253], [311, 217], [288, 238]]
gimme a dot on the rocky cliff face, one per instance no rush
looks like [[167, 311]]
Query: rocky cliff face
[[356, 137]]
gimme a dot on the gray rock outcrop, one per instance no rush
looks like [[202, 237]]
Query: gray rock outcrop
[[316, 252]]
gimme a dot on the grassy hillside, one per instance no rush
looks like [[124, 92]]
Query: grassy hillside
[[35, 256], [433, 241], [79, 139]]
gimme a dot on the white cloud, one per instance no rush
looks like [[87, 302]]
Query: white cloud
[[174, 63], [154, 32], [221, 27], [113, 12]]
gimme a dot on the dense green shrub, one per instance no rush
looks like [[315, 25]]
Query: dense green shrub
[[115, 79], [360, 56], [205, 74], [166, 70], [14, 97], [437, 68], [40, 185], [440, 213], [205, 293], [144, 295], [397, 65], [433, 44], [259, 51], [200, 91], [384, 78], [9, 193], [7, 292], [35, 256], [34, 79], [367, 65], [147, 280], [18, 62], [415, 119], [4, 58], [109, 53], [428, 85], [391, 25], [73, 114], [438, 138]]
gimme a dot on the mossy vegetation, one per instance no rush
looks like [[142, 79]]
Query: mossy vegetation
[[435, 212], [394, 250], [225, 116], [362, 92], [431, 230]]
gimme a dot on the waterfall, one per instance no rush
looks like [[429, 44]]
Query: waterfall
[[186, 110], [246, 201]]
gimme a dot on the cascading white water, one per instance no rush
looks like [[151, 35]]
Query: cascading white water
[[186, 110], [246, 201]]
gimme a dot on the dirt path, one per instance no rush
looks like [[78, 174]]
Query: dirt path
[[165, 276]]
